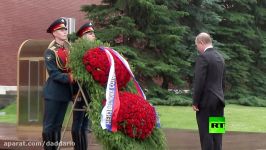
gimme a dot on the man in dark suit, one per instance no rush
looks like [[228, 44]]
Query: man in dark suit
[[58, 89], [208, 91]]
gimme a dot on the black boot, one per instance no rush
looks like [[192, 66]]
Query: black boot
[[56, 139], [76, 140], [47, 139], [84, 140]]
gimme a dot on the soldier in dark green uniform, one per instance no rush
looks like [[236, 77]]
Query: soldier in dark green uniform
[[81, 122], [58, 88]]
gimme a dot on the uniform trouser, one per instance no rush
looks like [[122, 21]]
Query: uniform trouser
[[54, 113], [209, 141], [80, 119], [80, 127]]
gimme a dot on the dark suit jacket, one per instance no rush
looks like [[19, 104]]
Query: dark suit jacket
[[58, 86], [209, 79]]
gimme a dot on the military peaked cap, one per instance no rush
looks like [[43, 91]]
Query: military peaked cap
[[57, 24]]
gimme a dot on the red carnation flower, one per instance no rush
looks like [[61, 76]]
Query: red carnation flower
[[136, 117], [96, 63]]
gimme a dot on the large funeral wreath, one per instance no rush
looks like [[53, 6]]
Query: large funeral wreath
[[136, 117]]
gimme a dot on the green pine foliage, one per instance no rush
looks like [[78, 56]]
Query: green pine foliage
[[242, 43], [109, 140], [258, 79], [157, 37], [151, 35], [202, 16]]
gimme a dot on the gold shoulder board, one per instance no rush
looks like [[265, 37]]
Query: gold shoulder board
[[52, 48]]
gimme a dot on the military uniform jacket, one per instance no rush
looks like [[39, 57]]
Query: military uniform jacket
[[58, 86]]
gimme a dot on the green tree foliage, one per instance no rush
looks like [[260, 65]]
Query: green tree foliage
[[157, 37], [148, 33], [242, 43], [203, 16], [258, 69]]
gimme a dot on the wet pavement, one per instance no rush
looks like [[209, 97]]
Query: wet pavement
[[176, 139]]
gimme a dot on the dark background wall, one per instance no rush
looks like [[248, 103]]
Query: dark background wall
[[28, 19]]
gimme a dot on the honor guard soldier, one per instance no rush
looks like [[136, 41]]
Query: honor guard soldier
[[86, 31], [81, 123], [58, 87]]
